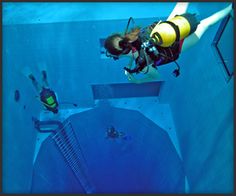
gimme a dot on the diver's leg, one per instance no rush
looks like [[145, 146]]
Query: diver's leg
[[203, 26], [190, 41], [42, 67], [27, 72], [35, 83], [211, 20], [180, 8], [44, 79]]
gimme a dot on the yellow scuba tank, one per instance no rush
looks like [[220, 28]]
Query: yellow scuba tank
[[166, 33]]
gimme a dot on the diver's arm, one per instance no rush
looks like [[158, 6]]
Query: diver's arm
[[139, 81], [130, 63], [57, 100], [150, 72], [151, 75]]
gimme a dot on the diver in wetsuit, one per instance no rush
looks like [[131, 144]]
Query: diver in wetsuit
[[46, 95], [161, 42], [112, 133]]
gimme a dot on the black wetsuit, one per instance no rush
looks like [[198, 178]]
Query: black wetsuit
[[165, 54], [46, 93]]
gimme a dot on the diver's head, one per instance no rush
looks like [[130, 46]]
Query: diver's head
[[117, 45]]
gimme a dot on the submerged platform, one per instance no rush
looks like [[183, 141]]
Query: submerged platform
[[149, 156]]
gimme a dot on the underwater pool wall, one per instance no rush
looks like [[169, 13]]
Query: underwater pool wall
[[18, 133], [195, 130], [35, 13], [84, 160], [28, 45], [202, 106]]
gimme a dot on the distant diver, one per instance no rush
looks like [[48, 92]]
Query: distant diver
[[114, 134], [160, 43], [46, 95]]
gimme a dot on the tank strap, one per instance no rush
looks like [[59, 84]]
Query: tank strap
[[175, 27]]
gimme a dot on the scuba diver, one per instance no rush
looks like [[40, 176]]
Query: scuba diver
[[46, 95], [114, 134], [160, 43]]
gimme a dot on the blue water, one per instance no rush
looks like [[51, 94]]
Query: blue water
[[178, 131], [147, 162]]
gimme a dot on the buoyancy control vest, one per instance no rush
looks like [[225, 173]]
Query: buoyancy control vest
[[158, 54], [49, 99]]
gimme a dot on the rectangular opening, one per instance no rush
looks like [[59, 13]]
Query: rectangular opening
[[124, 90], [223, 47]]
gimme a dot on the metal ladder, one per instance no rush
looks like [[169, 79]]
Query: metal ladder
[[69, 146]]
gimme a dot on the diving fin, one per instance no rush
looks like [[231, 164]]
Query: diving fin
[[26, 71]]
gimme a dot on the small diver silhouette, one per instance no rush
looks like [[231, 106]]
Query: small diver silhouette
[[114, 134]]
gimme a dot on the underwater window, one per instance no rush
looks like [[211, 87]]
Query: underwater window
[[223, 47]]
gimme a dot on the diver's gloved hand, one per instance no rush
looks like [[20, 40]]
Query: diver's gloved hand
[[126, 73], [127, 70]]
